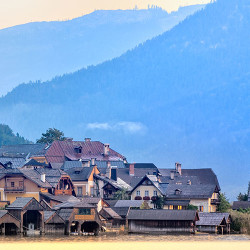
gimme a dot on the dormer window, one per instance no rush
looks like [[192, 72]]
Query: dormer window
[[177, 191], [78, 150]]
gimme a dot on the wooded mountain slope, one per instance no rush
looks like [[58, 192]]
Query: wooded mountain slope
[[183, 96]]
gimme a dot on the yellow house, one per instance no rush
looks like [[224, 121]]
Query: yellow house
[[20, 183]]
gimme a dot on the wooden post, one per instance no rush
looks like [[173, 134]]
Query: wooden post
[[3, 230]]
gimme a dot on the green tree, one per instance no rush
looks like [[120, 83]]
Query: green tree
[[122, 195], [159, 202], [52, 134], [192, 207], [242, 197], [224, 204]]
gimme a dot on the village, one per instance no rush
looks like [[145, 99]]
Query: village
[[87, 188]]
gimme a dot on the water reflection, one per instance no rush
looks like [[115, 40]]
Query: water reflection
[[126, 238]]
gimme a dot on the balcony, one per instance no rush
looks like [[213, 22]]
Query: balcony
[[14, 189], [215, 201]]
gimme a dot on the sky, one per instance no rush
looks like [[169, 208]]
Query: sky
[[14, 12]]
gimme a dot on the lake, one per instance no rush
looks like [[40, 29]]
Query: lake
[[127, 242]]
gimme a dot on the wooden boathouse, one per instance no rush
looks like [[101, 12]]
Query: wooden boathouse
[[9, 225], [162, 221], [214, 223], [30, 213]]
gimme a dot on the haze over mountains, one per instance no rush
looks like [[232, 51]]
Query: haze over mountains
[[42, 50], [183, 96]]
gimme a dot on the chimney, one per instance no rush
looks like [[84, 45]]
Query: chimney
[[43, 177], [92, 161], [172, 175], [113, 173], [106, 149], [88, 164], [87, 139], [178, 168], [132, 169], [108, 170]]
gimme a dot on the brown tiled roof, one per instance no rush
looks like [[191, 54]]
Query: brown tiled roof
[[59, 150]]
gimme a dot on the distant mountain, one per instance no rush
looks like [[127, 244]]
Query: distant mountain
[[42, 50], [183, 96], [7, 137]]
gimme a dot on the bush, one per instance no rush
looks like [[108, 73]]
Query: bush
[[240, 222]]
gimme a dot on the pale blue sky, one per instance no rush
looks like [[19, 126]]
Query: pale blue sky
[[13, 12]]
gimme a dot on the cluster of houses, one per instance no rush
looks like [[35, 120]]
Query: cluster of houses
[[83, 187]]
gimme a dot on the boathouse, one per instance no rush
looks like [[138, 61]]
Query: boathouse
[[53, 223], [9, 225], [162, 221], [30, 213], [214, 222]]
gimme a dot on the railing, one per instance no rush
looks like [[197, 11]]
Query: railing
[[214, 201], [14, 189]]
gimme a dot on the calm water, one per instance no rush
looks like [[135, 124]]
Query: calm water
[[125, 238]]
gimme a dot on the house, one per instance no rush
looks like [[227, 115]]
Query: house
[[148, 188], [214, 222], [9, 224], [21, 183], [83, 179], [162, 221], [81, 217], [29, 212], [69, 150]]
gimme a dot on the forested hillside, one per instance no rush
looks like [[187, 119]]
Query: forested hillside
[[42, 50], [7, 137], [183, 96]]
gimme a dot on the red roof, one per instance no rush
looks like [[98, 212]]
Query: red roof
[[60, 150]]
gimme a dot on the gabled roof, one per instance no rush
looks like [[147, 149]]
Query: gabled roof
[[60, 198], [71, 164], [162, 214], [21, 202], [80, 174], [79, 204], [189, 191], [241, 204], [110, 213], [16, 162], [65, 214], [128, 203], [204, 176], [153, 179], [211, 219], [52, 216], [122, 211], [110, 203], [30, 174], [52, 176], [24, 150], [33, 162], [90, 149], [2, 213]]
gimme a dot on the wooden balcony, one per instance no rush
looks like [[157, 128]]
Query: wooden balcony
[[214, 202], [14, 189]]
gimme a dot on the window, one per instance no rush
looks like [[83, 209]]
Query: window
[[84, 211], [155, 193], [179, 207], [79, 190], [138, 193], [201, 208], [146, 193], [20, 184], [12, 184], [171, 207]]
